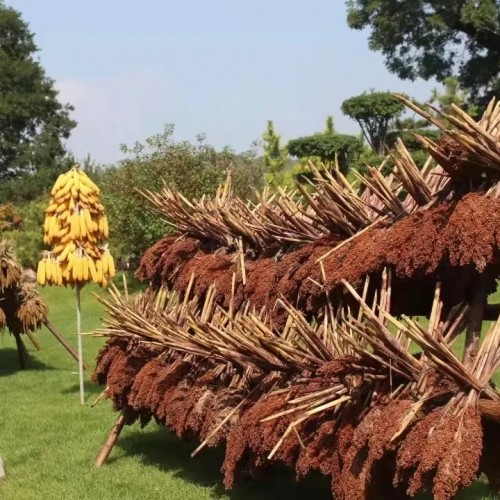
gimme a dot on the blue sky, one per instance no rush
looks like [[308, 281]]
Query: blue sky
[[220, 67]]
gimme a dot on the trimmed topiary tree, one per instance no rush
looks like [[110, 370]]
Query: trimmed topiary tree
[[373, 111]]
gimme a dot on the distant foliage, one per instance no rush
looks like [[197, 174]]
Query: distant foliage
[[327, 147], [33, 123], [193, 169], [32, 185], [27, 235], [429, 39], [275, 157], [329, 125], [9, 218]]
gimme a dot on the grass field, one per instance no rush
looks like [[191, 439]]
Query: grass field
[[49, 441]]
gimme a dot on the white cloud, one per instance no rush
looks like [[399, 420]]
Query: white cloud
[[72, 91], [115, 110]]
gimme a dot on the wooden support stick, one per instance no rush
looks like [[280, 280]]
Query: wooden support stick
[[111, 441], [490, 409], [52, 329], [33, 341], [21, 351], [80, 342], [98, 398], [475, 320]]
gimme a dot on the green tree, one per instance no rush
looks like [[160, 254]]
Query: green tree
[[193, 169], [275, 156], [27, 236], [429, 39], [327, 148], [329, 125], [374, 112], [31, 186], [453, 94], [33, 123]]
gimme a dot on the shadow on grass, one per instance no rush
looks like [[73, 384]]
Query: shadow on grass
[[9, 362], [91, 390], [168, 453], [165, 451]]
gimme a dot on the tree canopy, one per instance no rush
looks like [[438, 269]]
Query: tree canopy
[[194, 169], [373, 111], [429, 39], [453, 94], [327, 147], [33, 122]]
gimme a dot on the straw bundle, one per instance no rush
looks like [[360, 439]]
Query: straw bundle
[[10, 270], [291, 336]]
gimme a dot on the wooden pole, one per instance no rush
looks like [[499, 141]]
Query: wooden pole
[[21, 351], [52, 329], [475, 319], [489, 409], [111, 441], [33, 341], [80, 343]]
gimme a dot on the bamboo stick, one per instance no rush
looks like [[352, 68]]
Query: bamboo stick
[[110, 441]]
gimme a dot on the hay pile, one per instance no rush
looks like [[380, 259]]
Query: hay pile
[[285, 328]]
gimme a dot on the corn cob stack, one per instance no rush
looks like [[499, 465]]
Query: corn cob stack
[[75, 225]]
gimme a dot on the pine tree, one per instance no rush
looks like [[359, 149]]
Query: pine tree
[[274, 155], [329, 126]]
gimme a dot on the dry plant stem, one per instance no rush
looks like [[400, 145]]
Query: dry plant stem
[[125, 286], [476, 313], [98, 398], [52, 329], [110, 442]]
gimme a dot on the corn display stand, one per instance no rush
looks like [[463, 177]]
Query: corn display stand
[[75, 227], [335, 329]]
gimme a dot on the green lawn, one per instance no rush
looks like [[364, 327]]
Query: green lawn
[[49, 441]]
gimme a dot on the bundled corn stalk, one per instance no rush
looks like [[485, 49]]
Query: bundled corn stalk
[[22, 310], [286, 327], [10, 270]]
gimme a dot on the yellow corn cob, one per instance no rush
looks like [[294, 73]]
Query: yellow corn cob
[[105, 262], [40, 273], [85, 266], [93, 271], [99, 273], [111, 265]]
